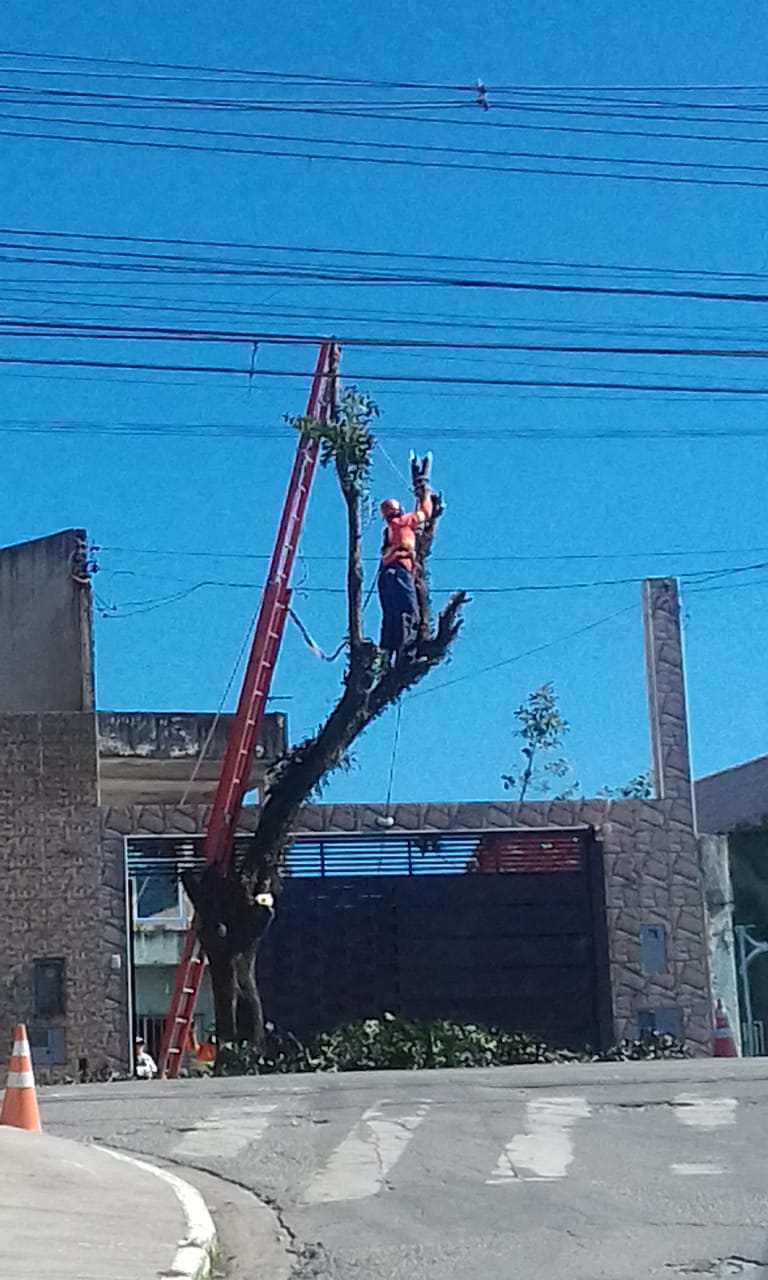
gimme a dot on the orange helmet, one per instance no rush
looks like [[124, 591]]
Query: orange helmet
[[390, 507]]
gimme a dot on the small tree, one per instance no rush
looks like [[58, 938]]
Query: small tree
[[234, 910], [543, 729], [638, 788]]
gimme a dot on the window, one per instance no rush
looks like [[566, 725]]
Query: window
[[49, 988], [158, 896]]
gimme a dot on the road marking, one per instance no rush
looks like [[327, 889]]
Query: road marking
[[700, 1112], [225, 1133], [697, 1170], [545, 1151], [360, 1165]]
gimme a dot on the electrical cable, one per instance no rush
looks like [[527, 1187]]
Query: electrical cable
[[344, 252], [95, 331], [400, 161], [433, 149], [526, 653], [412, 378]]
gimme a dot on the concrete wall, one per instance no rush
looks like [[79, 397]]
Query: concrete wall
[[62, 893], [718, 900], [45, 626], [169, 757], [733, 799]]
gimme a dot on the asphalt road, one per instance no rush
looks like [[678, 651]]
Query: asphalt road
[[626, 1171]]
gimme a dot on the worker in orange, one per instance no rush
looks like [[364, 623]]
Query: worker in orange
[[397, 594]]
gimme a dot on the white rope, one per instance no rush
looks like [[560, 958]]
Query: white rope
[[393, 465], [393, 761], [219, 712]]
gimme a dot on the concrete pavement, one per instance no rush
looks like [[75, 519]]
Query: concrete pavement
[[73, 1212], [624, 1171]]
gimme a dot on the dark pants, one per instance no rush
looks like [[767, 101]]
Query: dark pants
[[399, 607]]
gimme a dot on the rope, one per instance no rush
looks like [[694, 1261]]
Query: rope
[[395, 744], [219, 712], [394, 465], [371, 590]]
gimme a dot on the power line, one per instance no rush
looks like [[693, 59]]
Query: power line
[[283, 77], [248, 431], [526, 653], [278, 273], [693, 576], [269, 75], [104, 331], [389, 254], [253, 432], [387, 113], [432, 149], [489, 559], [399, 161], [410, 378]]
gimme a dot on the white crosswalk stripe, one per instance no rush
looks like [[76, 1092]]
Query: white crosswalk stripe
[[360, 1165], [226, 1133], [699, 1111], [333, 1163], [545, 1151]]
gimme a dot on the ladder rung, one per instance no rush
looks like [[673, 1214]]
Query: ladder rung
[[172, 1050], [188, 991]]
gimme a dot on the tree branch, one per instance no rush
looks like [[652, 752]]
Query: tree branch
[[366, 695], [354, 560], [420, 575]]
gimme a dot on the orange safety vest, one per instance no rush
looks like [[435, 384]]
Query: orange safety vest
[[400, 535]]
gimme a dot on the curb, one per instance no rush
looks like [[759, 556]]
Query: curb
[[193, 1259]]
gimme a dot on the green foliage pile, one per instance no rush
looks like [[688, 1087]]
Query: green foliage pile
[[392, 1043]]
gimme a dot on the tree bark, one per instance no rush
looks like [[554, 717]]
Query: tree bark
[[222, 970], [249, 1015]]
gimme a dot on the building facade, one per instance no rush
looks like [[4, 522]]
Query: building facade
[[76, 786]]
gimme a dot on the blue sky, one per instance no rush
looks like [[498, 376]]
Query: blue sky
[[617, 501]]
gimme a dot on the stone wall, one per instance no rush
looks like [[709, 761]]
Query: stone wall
[[652, 880], [63, 896]]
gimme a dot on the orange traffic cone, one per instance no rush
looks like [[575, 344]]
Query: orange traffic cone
[[723, 1044], [19, 1107]]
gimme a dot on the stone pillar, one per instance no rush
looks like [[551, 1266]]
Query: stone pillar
[[670, 751], [670, 878]]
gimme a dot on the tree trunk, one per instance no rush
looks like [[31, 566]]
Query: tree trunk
[[249, 1016], [231, 924], [222, 970]]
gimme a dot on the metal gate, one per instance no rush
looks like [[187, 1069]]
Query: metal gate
[[504, 928]]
